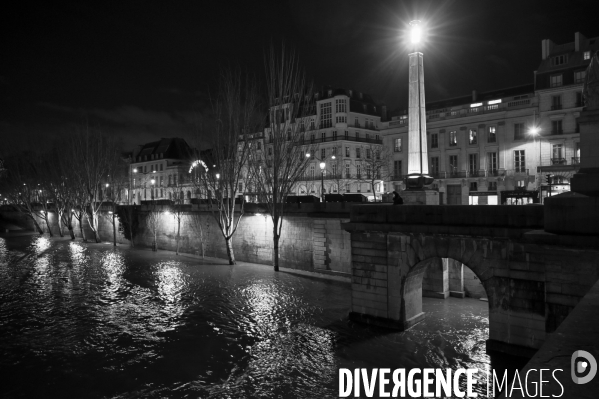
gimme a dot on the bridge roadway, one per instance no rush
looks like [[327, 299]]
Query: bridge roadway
[[533, 279]]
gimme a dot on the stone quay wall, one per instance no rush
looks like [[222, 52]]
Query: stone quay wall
[[311, 239]]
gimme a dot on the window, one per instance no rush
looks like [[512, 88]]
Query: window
[[288, 134], [358, 135], [473, 164], [435, 166], [492, 186], [347, 135], [579, 99], [334, 151], [334, 135], [347, 187], [358, 153], [434, 140], [559, 60], [323, 153], [269, 150], [161, 167], [472, 136], [587, 55], [579, 76], [340, 105], [259, 145], [312, 137], [347, 151], [453, 138], [323, 137], [397, 146], [397, 169], [519, 161], [473, 186], [492, 136], [311, 124], [161, 181], [557, 156], [356, 122], [312, 171], [377, 137], [340, 119], [358, 171], [518, 131], [453, 165], [368, 153], [334, 169], [492, 163], [326, 116], [368, 171], [347, 172], [556, 102], [556, 80], [240, 187], [556, 127]]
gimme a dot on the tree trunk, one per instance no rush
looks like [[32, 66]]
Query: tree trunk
[[154, 244], [48, 225], [230, 252], [93, 224], [178, 233], [275, 249], [71, 232], [81, 229], [60, 232], [113, 229]]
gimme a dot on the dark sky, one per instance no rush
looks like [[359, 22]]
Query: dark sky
[[143, 69]]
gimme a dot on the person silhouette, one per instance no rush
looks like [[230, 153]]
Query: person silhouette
[[397, 200]]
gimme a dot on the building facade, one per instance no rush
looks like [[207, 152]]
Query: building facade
[[500, 147]]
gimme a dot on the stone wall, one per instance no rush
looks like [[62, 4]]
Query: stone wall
[[308, 242]]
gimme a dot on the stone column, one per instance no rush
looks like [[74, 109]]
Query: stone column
[[456, 278], [417, 149], [436, 279]]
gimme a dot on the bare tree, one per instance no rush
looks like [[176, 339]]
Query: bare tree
[[222, 171], [374, 167], [196, 223], [93, 154], [153, 224], [281, 165]]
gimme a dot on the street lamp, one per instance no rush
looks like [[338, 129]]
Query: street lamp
[[322, 165], [152, 181]]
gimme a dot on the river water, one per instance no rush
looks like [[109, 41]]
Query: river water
[[91, 321]]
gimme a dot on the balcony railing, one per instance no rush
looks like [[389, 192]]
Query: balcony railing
[[558, 161], [337, 138], [575, 161], [557, 131], [555, 107], [367, 126]]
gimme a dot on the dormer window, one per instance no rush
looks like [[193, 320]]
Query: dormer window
[[330, 93], [587, 55], [559, 60]]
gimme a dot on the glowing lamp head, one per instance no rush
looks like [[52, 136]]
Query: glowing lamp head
[[152, 181], [322, 165], [415, 32], [534, 130], [107, 184], [134, 170], [308, 155], [333, 157], [218, 175]]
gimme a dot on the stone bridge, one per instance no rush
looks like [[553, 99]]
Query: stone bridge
[[533, 279]]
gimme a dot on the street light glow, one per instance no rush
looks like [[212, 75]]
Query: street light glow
[[134, 170], [415, 32], [152, 181], [308, 155], [107, 184], [322, 165], [218, 175], [534, 130]]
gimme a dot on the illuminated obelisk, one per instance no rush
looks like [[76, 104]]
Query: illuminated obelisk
[[417, 150]]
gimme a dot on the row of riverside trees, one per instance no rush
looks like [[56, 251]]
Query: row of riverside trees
[[82, 169]]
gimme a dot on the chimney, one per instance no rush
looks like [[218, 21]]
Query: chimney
[[546, 48], [578, 38], [384, 113], [473, 96]]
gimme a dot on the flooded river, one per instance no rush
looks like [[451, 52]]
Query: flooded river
[[79, 321]]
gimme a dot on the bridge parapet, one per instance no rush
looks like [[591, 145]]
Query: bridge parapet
[[530, 217]]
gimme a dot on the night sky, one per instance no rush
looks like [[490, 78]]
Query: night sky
[[144, 69]]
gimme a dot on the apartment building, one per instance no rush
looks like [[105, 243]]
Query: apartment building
[[499, 147], [159, 170]]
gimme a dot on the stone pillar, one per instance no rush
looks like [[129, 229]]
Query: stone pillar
[[456, 278], [436, 279], [417, 149]]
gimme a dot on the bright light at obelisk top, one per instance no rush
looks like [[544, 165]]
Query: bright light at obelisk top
[[415, 32]]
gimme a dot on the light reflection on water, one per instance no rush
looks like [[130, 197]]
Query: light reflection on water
[[101, 322]]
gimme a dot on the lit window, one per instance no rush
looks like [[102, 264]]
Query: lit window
[[579, 76], [472, 136], [340, 105], [519, 161], [492, 137], [587, 55], [397, 147], [453, 138]]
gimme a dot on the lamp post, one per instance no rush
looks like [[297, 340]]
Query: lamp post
[[132, 186], [322, 165], [417, 149], [536, 132]]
